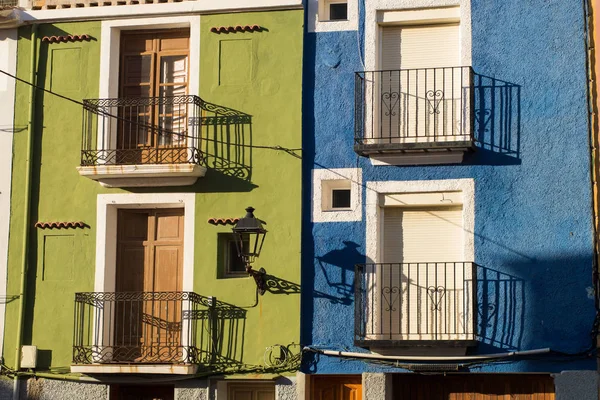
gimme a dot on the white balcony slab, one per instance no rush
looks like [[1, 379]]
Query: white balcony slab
[[146, 175], [175, 369]]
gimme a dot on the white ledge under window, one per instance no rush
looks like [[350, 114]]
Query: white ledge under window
[[177, 369], [146, 175]]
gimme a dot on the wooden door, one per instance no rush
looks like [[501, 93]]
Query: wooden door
[[250, 391], [149, 264], [336, 387], [473, 387], [154, 69]]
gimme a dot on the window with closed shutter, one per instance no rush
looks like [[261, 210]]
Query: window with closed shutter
[[411, 47], [420, 91], [431, 234], [422, 285]]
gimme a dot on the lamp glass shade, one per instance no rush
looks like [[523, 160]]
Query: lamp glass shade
[[249, 236]]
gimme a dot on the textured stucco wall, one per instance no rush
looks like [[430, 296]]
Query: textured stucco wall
[[533, 220], [286, 389], [192, 390], [49, 389], [576, 385], [266, 87], [377, 386], [6, 388]]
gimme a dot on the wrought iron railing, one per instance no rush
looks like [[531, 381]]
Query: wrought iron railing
[[155, 130], [144, 327], [415, 302], [412, 108], [8, 4]]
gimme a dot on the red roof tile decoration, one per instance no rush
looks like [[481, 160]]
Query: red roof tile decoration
[[235, 29], [61, 225], [223, 221], [66, 38]]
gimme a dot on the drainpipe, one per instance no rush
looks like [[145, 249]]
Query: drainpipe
[[26, 207], [480, 357], [592, 95]]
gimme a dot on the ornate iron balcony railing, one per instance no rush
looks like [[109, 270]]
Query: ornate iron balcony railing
[[8, 4], [413, 109], [154, 130], [415, 302], [144, 327]]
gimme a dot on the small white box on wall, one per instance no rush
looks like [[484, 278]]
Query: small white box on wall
[[28, 356]]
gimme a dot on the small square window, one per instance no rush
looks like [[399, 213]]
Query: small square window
[[230, 264], [340, 198], [333, 10], [336, 195], [338, 11]]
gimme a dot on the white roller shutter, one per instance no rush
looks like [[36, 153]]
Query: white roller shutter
[[427, 299], [423, 235], [420, 96], [409, 47]]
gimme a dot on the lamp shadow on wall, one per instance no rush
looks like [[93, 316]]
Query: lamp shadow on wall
[[337, 267], [496, 122], [500, 310], [280, 286]]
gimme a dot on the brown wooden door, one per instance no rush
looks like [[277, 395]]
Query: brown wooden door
[[149, 260], [250, 391], [154, 64], [473, 387], [336, 387]]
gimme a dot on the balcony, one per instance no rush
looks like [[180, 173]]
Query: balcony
[[6, 4], [415, 305], [416, 115], [148, 332], [155, 141]]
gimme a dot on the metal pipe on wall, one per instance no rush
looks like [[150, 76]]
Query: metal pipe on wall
[[26, 206]]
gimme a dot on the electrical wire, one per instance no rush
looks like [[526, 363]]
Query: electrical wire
[[107, 114]]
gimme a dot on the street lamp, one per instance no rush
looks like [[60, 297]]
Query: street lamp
[[249, 237]]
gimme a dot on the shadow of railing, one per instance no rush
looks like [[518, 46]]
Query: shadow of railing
[[220, 334], [497, 121], [500, 308], [227, 144]]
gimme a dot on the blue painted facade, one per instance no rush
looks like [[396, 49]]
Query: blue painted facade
[[531, 171]]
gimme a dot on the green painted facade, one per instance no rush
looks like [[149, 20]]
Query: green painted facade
[[258, 73]]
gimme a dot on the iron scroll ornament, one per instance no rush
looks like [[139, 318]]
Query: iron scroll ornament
[[434, 97]]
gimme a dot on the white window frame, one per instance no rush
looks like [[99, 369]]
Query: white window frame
[[374, 208], [380, 194], [325, 10], [327, 188], [106, 234], [318, 16], [381, 12], [110, 55], [108, 206], [324, 180]]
